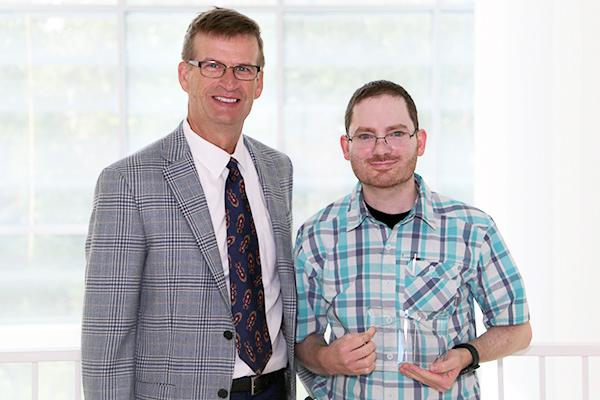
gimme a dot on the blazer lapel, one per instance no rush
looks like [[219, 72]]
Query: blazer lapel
[[182, 178], [269, 180]]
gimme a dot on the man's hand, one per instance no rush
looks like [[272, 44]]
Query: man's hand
[[442, 373], [352, 354]]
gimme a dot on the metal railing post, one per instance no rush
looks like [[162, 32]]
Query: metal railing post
[[500, 379], [540, 351], [585, 377], [35, 381]]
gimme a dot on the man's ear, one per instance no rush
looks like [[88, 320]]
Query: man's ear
[[183, 70], [259, 85], [421, 141], [345, 144]]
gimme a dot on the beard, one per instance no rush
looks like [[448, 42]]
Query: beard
[[398, 175]]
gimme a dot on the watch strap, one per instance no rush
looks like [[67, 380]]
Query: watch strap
[[474, 357]]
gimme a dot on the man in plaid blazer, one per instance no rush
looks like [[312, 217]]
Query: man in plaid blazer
[[157, 320]]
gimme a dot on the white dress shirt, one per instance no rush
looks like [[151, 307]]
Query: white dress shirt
[[211, 164]]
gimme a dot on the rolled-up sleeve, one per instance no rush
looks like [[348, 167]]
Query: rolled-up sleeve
[[311, 317], [500, 291]]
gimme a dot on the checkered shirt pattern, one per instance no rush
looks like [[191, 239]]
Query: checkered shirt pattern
[[353, 272]]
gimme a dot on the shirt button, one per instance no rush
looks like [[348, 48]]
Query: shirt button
[[222, 393], [388, 247], [389, 356], [228, 335]]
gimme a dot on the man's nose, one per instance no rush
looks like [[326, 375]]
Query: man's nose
[[381, 146], [228, 79]]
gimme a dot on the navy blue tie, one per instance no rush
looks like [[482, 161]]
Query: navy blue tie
[[245, 278]]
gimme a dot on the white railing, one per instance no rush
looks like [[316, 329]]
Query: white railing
[[541, 351], [35, 356]]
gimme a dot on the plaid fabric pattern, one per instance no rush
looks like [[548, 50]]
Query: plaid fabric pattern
[[418, 281], [157, 307]]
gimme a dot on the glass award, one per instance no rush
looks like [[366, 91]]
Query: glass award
[[407, 336]]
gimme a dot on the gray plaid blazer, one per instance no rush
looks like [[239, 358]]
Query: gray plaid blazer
[[156, 301]]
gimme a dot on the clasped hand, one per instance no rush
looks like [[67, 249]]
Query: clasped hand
[[354, 354]]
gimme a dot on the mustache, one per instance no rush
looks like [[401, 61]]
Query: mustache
[[383, 158]]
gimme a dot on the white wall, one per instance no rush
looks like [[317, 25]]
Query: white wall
[[537, 103]]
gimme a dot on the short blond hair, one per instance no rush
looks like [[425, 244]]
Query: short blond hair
[[221, 22]]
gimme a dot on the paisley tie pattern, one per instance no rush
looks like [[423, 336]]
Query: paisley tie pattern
[[247, 293]]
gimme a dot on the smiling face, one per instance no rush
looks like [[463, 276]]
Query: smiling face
[[218, 107], [383, 166]]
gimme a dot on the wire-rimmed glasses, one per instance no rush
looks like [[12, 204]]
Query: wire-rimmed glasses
[[367, 140]]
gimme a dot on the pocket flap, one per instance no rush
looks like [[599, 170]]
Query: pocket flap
[[430, 286], [433, 268]]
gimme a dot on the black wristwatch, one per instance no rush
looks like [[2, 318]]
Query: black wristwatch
[[474, 355]]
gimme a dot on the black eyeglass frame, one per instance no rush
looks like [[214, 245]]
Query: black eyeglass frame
[[197, 63]]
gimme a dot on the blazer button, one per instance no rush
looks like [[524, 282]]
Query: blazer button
[[228, 335], [222, 393]]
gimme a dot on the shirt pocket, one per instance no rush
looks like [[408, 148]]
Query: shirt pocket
[[428, 298], [429, 286]]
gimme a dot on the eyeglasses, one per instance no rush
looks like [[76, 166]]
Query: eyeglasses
[[216, 69], [367, 140]]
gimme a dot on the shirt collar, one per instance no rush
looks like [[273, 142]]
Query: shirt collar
[[423, 208], [424, 205], [212, 157]]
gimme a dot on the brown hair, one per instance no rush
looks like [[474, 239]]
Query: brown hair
[[378, 88], [221, 22]]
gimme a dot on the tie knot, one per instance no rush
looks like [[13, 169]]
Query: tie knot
[[234, 171], [232, 164]]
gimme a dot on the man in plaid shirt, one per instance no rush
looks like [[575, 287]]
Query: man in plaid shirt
[[393, 270]]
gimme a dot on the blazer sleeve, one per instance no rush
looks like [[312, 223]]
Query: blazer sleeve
[[115, 253]]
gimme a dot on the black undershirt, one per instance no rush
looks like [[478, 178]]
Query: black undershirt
[[389, 219]]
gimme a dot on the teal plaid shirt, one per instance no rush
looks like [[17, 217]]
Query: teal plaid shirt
[[416, 283]]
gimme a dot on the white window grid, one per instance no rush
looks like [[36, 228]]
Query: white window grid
[[122, 9]]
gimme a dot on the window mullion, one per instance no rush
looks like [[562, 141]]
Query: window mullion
[[122, 78]]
